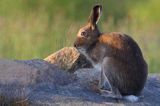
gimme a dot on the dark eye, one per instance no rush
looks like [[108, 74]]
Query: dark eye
[[84, 34]]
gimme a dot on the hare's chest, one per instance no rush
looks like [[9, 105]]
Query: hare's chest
[[93, 59], [97, 66], [86, 55]]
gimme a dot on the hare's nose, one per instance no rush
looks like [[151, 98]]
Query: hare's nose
[[75, 45]]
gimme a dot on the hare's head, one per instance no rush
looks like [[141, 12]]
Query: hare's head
[[89, 34]]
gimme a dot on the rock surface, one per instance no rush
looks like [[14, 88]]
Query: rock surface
[[68, 59], [39, 83], [42, 83]]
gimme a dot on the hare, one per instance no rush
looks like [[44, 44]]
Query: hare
[[116, 55]]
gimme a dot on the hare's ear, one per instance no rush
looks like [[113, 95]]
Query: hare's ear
[[95, 15]]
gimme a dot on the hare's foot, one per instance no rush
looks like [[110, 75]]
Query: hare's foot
[[94, 86], [109, 94]]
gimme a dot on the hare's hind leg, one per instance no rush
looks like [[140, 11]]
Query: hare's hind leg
[[108, 69], [109, 90]]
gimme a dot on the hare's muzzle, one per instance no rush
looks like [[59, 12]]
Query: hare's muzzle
[[75, 44], [80, 42]]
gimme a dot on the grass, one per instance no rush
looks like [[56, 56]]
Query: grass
[[36, 28]]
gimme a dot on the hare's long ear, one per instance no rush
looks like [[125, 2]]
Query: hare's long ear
[[95, 15]]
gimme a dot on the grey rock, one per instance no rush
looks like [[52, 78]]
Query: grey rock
[[39, 83]]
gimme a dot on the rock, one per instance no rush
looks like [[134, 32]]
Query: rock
[[39, 83], [68, 59], [18, 79], [12, 72]]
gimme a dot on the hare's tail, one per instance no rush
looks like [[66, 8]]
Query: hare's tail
[[131, 98]]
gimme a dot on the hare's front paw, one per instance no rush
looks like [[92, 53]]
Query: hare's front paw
[[94, 86]]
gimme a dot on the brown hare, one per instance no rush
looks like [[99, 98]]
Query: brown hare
[[117, 56]]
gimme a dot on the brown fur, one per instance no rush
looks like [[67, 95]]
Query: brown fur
[[126, 63], [119, 55]]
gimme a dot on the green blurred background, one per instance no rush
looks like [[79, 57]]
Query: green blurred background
[[36, 28]]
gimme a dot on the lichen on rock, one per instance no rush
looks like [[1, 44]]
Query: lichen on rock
[[69, 59]]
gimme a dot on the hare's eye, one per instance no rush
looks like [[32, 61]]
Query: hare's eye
[[84, 34]]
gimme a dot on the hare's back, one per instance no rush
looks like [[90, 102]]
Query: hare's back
[[121, 47]]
